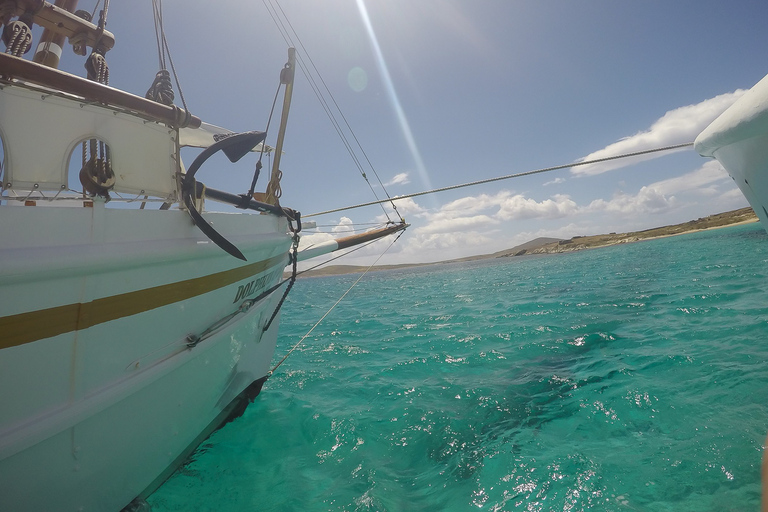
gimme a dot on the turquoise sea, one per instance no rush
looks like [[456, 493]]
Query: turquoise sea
[[632, 377]]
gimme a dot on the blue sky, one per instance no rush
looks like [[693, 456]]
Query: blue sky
[[472, 90]]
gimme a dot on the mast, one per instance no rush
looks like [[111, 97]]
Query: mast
[[286, 77], [51, 43]]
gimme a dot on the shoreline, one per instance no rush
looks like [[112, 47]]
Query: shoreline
[[716, 221], [751, 221], [576, 243]]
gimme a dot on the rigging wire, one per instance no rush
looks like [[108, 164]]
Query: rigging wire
[[346, 228], [93, 13], [506, 177], [335, 230], [289, 34], [352, 224], [362, 246], [269, 374], [286, 34], [157, 17], [164, 50], [264, 146], [338, 108]]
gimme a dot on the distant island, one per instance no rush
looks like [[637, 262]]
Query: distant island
[[577, 243]]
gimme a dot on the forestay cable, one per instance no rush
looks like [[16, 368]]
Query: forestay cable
[[333, 307], [363, 246], [508, 176]]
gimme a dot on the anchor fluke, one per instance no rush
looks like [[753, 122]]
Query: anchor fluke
[[235, 146]]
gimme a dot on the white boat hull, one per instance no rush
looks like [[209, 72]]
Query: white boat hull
[[738, 139], [101, 394], [747, 163]]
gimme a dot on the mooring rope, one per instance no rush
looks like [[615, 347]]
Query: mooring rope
[[269, 374], [508, 176]]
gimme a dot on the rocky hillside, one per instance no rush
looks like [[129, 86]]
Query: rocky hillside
[[578, 243]]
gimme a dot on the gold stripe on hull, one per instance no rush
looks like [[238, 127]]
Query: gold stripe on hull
[[27, 327]]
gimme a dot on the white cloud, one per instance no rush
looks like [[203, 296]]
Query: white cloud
[[469, 225], [345, 225], [480, 224], [520, 207], [448, 245], [662, 195], [734, 195], [565, 231], [474, 224], [398, 179], [490, 209], [473, 204], [675, 127], [310, 239], [454, 224], [648, 200], [555, 181], [700, 180], [408, 206]]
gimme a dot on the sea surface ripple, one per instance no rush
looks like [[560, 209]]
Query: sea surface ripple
[[630, 378]]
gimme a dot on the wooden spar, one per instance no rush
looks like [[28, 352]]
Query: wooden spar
[[349, 241], [49, 49], [61, 21], [286, 77], [27, 71], [374, 234]]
